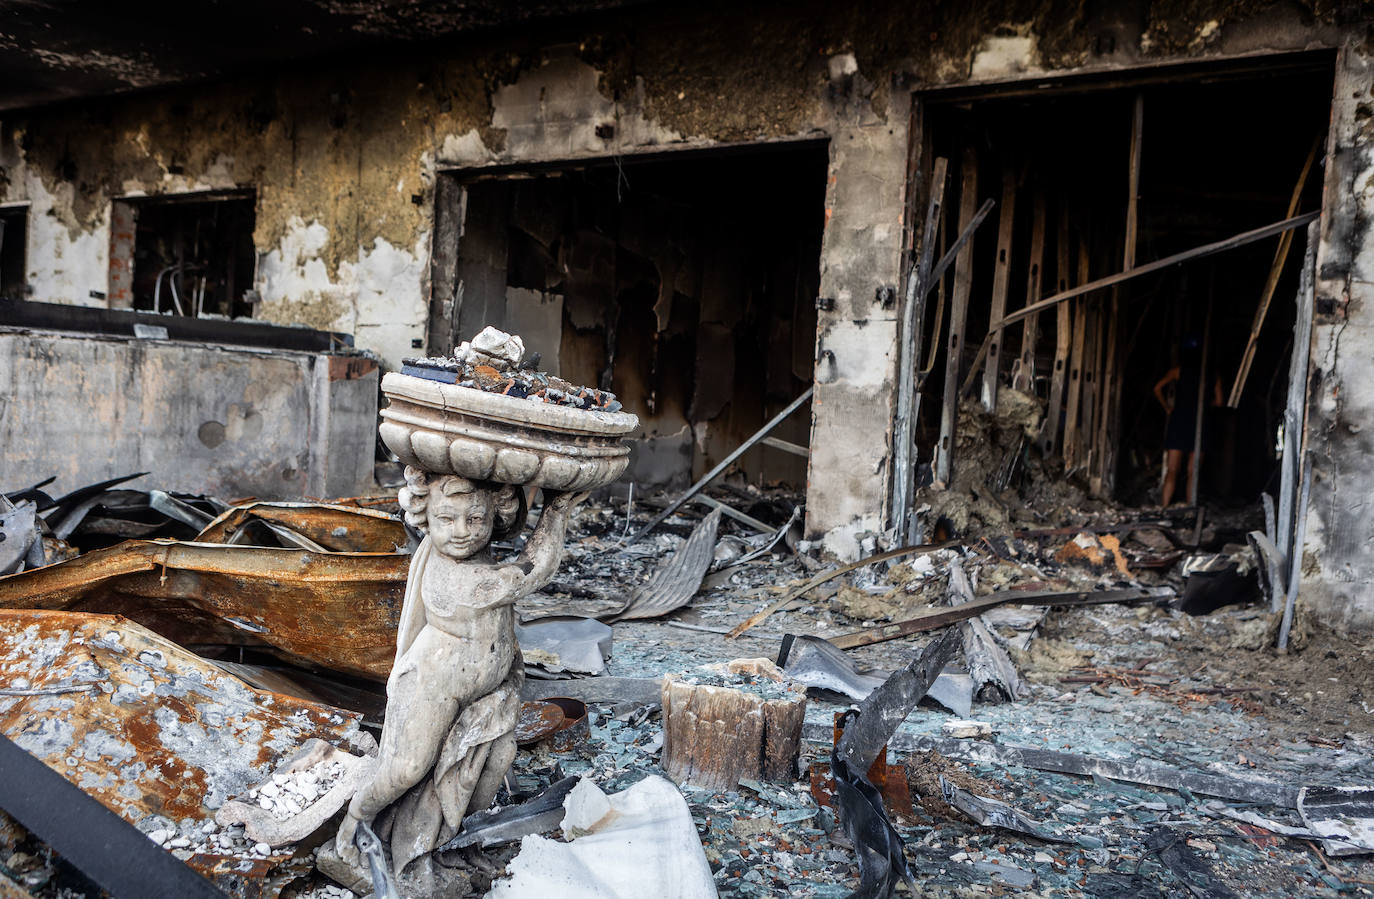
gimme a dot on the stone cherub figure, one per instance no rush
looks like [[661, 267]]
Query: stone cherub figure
[[454, 691]]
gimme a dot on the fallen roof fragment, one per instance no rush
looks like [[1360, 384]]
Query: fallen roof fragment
[[674, 585]]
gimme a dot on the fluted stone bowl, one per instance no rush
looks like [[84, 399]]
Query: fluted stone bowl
[[447, 429]]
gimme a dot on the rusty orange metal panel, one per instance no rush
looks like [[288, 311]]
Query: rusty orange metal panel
[[141, 724], [333, 610], [345, 529]]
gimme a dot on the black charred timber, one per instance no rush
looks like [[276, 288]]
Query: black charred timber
[[882, 854], [95, 840], [539, 814], [120, 323], [1175, 854], [887, 707]]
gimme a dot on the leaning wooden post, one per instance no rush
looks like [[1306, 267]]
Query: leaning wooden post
[[1049, 433], [958, 316], [1104, 481], [1001, 278], [1030, 330], [1270, 284], [904, 427]]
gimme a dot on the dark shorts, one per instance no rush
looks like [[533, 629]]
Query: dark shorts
[[1178, 435]]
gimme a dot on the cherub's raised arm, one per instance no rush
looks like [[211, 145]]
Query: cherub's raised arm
[[538, 561]]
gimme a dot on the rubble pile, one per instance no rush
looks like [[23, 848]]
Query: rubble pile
[[1001, 480], [208, 837], [287, 795], [1083, 781], [495, 361]]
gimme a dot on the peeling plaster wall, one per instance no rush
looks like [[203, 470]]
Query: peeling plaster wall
[[343, 156], [1338, 553], [227, 421]]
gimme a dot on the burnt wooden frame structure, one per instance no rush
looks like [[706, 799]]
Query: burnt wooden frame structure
[[1084, 386]]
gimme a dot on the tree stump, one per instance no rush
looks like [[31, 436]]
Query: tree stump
[[715, 735]]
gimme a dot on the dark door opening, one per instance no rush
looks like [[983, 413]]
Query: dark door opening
[[14, 226], [685, 283], [1210, 166]]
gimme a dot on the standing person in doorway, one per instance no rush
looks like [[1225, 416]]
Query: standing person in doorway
[[1180, 433]]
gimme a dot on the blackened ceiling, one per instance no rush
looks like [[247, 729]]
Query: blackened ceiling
[[53, 50]]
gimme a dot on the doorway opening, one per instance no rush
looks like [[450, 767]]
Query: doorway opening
[[1208, 165], [685, 283]]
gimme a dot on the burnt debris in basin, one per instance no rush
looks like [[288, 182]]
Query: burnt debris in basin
[[495, 361]]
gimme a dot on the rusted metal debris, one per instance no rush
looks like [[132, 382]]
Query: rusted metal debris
[[890, 780], [157, 730], [340, 529], [334, 610], [559, 719], [149, 729]]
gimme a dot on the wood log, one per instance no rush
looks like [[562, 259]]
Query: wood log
[[715, 735]]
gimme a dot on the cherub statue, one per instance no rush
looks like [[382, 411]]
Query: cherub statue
[[454, 691]]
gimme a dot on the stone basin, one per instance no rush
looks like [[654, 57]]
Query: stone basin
[[448, 429]]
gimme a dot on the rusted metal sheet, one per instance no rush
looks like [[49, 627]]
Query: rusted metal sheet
[[250, 878], [343, 529], [334, 610], [141, 724]]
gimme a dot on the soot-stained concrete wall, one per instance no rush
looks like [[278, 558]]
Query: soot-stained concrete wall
[[343, 156], [224, 421], [1338, 555]]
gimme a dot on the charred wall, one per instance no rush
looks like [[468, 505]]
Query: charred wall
[[342, 157], [1338, 555]]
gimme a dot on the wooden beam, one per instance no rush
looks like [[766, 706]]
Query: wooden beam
[[723, 464], [1272, 283], [787, 446], [1001, 275], [1063, 335], [824, 576], [903, 429], [958, 316], [1107, 385], [1230, 243], [943, 617], [1104, 481], [1024, 377], [1071, 413], [1133, 183], [1092, 369]]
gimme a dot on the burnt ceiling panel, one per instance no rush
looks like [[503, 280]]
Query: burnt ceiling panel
[[53, 50]]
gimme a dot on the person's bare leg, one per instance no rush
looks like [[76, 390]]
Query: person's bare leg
[[1193, 460], [1174, 465], [416, 725]]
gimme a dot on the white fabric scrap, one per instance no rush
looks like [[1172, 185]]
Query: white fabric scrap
[[648, 832]]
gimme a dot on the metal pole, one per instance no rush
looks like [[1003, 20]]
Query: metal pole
[[724, 464]]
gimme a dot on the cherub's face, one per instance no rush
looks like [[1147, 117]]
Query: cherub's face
[[461, 524]]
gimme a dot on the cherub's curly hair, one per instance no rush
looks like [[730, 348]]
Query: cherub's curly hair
[[507, 500]]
